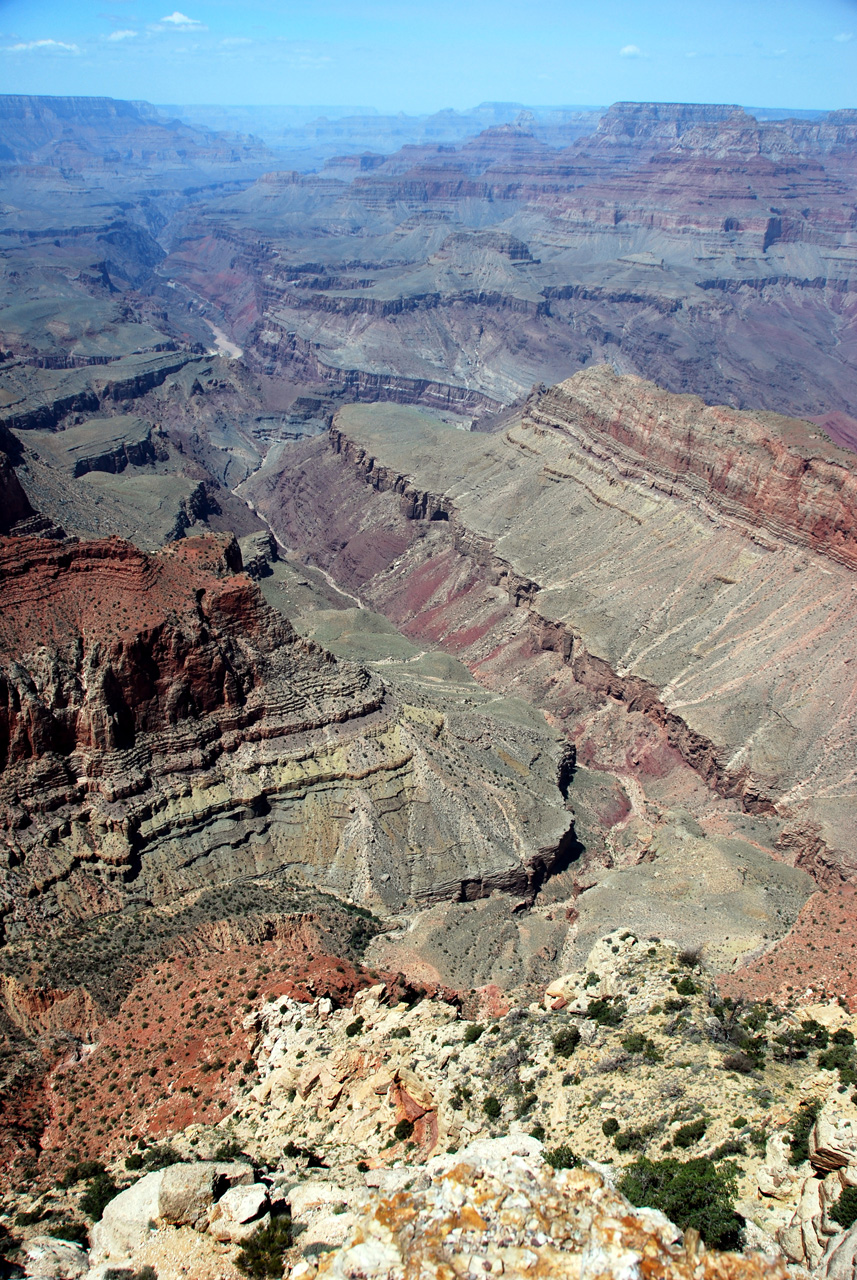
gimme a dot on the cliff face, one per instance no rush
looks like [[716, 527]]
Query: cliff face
[[620, 546], [768, 473], [161, 728]]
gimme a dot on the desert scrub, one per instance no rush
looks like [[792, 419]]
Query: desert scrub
[[562, 1157], [689, 1134], [606, 1012], [262, 1257], [473, 1032], [98, 1195], [492, 1108], [693, 1193], [636, 1042], [845, 1210], [354, 1028], [566, 1041], [802, 1124]]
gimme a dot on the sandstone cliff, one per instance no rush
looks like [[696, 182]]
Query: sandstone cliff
[[162, 728]]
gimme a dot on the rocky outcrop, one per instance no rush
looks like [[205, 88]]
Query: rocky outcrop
[[770, 474], [160, 726], [497, 1207]]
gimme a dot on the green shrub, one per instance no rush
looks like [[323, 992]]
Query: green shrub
[[629, 1140], [843, 1036], [538, 1131], [693, 1193], [161, 1156], [592, 980], [81, 1171], [561, 1157], [262, 1257], [739, 1061], [674, 1005], [610, 1127], [403, 1130], [473, 1032], [686, 987], [354, 1028], [801, 1129], [636, 1042], [566, 1041], [606, 1012], [840, 1057], [134, 1161], [739, 1122], [99, 1193], [690, 1133], [731, 1147], [526, 1104], [845, 1210], [491, 1107], [400, 1033]]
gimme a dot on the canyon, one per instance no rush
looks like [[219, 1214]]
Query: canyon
[[421, 577]]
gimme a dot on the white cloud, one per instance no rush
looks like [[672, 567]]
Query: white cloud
[[233, 40], [178, 19], [631, 51], [56, 46], [844, 37], [121, 35]]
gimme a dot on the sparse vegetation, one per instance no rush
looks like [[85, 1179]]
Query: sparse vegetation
[[566, 1041], [262, 1257], [562, 1157]]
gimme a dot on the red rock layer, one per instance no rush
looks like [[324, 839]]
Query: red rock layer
[[771, 473]]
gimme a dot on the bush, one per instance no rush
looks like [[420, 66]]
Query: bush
[[526, 1104], [566, 1041], [693, 1193], [538, 1131], [845, 1210], [134, 1161], [262, 1257], [673, 1004], [801, 1129], [491, 1107], [610, 1127], [688, 1134], [686, 987], [843, 1036], [99, 1193], [739, 1062], [840, 1057], [562, 1157], [473, 1032], [354, 1028], [161, 1156], [636, 1042], [403, 1130], [630, 1140], [606, 1012], [80, 1172]]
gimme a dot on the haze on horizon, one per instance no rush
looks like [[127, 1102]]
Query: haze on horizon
[[422, 57]]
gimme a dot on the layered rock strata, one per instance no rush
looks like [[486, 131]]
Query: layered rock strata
[[692, 564], [161, 729]]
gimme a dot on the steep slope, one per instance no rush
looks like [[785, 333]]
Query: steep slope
[[163, 729]]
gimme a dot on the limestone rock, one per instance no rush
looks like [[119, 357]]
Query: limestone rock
[[776, 1177], [833, 1140], [496, 1208], [240, 1213], [188, 1191], [48, 1258], [127, 1219], [840, 1260]]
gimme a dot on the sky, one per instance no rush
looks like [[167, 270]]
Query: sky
[[425, 55]]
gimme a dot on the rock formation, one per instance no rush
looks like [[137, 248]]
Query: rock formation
[[163, 728]]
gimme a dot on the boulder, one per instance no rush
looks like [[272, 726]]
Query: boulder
[[776, 1177], [127, 1220], [833, 1141], [840, 1258], [188, 1191], [240, 1213], [48, 1258]]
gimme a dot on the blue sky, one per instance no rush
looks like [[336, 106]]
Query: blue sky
[[423, 55]]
